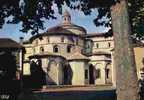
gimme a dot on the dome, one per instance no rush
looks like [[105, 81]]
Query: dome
[[67, 27]]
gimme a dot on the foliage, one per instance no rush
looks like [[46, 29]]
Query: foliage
[[136, 13], [33, 12]]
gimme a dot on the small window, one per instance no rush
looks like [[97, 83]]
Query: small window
[[41, 49], [97, 45], [62, 39], [98, 74], [55, 49], [33, 50], [36, 42], [109, 44], [69, 48], [86, 74]]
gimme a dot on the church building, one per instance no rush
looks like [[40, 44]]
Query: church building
[[69, 55]]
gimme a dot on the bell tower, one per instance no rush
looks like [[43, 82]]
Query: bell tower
[[66, 17]]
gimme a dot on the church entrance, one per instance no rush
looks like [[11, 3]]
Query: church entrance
[[91, 74]]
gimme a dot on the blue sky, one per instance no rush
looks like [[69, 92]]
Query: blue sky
[[78, 18]]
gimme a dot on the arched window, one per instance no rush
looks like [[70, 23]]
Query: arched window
[[55, 49], [69, 48], [41, 49], [97, 45]]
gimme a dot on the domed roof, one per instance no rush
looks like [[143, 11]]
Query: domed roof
[[58, 29], [67, 26]]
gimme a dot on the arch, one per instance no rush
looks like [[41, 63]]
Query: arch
[[67, 75], [55, 48], [52, 75], [108, 73], [91, 74]]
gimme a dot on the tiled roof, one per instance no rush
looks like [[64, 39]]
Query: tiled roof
[[9, 43], [101, 53]]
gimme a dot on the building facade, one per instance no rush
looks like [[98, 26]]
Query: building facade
[[69, 55]]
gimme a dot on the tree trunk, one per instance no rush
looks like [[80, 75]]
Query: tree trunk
[[126, 76]]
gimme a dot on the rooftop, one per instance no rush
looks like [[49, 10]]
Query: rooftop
[[9, 43]]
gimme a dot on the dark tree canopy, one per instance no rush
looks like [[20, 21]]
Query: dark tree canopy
[[7, 66], [33, 12]]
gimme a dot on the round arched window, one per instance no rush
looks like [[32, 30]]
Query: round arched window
[[41, 49], [55, 49]]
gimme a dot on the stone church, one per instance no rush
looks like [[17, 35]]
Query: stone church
[[71, 56]]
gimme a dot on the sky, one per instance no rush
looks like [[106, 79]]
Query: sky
[[77, 17]]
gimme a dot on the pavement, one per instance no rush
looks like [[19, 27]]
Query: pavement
[[74, 88]]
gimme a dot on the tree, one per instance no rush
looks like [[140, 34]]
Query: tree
[[33, 12], [8, 70], [136, 13], [127, 82]]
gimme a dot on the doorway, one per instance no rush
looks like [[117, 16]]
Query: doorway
[[67, 74]]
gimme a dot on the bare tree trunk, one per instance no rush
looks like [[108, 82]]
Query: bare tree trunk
[[126, 76]]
